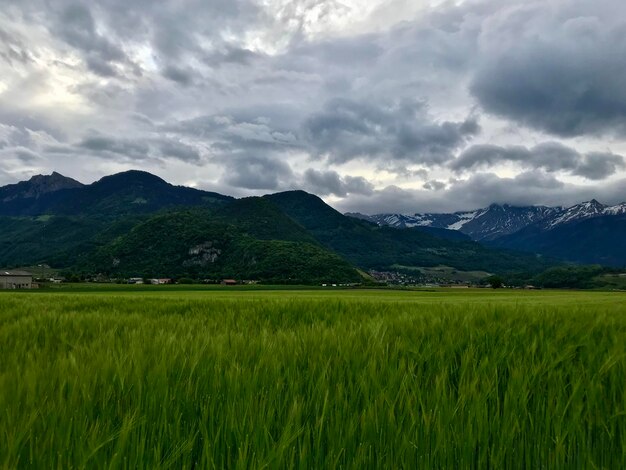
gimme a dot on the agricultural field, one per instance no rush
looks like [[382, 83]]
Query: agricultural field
[[160, 377]]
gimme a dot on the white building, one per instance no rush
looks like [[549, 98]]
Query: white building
[[16, 280]]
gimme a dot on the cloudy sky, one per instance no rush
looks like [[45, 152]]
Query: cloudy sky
[[375, 105]]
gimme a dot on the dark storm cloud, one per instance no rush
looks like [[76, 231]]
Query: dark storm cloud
[[346, 130], [324, 183], [556, 66], [549, 156]]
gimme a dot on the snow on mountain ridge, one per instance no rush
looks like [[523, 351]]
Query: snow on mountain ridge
[[584, 210], [498, 220], [618, 209], [465, 218]]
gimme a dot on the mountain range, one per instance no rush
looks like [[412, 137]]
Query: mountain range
[[589, 232], [131, 192], [136, 224]]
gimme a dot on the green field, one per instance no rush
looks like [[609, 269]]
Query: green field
[[255, 378]]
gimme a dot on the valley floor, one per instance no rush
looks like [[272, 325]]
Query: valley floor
[[179, 377]]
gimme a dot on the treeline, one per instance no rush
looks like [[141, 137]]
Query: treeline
[[564, 277]]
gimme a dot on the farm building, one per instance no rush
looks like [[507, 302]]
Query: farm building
[[16, 280]]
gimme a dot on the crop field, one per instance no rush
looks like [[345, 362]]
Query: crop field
[[252, 378]]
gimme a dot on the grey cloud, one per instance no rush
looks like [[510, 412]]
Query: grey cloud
[[209, 86], [244, 133], [488, 155], [360, 51], [394, 135], [557, 67], [179, 150], [24, 123], [13, 49], [599, 165], [481, 190], [346, 130], [330, 182], [230, 54], [550, 156], [6, 178], [179, 75], [127, 149], [177, 31], [357, 185], [176, 28], [255, 172], [434, 185], [534, 187], [26, 155], [23, 145], [101, 67], [77, 27], [18, 157], [100, 144]]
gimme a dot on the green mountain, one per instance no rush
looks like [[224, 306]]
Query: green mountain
[[131, 192], [57, 240], [135, 224], [262, 219], [369, 246], [200, 244]]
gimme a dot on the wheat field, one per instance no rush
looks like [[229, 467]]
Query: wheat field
[[216, 378]]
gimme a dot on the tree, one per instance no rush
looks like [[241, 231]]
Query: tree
[[495, 282]]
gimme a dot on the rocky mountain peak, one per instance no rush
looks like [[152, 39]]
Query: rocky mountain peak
[[37, 186]]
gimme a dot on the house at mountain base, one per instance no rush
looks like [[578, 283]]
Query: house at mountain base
[[15, 280]]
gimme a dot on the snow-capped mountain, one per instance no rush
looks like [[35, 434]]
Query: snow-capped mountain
[[585, 210], [499, 220]]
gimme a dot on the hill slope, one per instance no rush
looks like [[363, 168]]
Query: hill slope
[[370, 246], [60, 241], [594, 240], [197, 244]]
